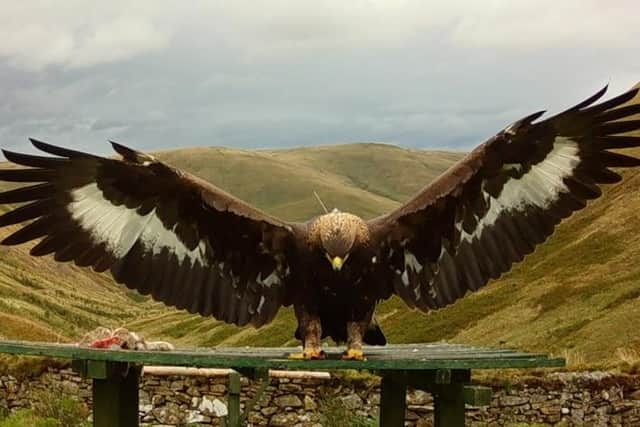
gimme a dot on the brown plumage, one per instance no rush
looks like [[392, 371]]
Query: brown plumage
[[189, 244]]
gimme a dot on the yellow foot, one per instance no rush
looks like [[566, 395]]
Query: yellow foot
[[309, 354], [353, 354]]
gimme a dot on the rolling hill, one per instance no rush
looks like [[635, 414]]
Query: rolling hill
[[42, 299], [578, 293]]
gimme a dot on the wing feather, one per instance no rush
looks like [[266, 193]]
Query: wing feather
[[507, 196], [27, 194], [157, 229]]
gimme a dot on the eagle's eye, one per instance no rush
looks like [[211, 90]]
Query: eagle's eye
[[336, 261]]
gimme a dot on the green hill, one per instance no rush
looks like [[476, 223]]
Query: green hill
[[578, 293], [42, 299]]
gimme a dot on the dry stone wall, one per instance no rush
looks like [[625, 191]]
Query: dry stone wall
[[566, 399]]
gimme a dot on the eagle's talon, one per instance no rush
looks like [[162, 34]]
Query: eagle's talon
[[353, 354], [314, 354], [309, 354]]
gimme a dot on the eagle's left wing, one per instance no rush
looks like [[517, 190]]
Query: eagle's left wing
[[158, 229], [493, 207]]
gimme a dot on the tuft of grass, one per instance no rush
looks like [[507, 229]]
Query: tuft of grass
[[48, 410], [333, 412], [576, 359], [4, 411], [628, 355], [628, 360], [27, 418], [66, 411]]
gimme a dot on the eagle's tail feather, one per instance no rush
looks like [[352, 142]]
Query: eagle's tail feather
[[374, 334]]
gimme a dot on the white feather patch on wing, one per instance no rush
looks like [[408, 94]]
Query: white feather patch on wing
[[271, 279], [540, 186], [119, 227], [405, 278], [261, 304], [410, 261]]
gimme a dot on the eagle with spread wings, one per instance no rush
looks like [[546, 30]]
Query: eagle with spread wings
[[168, 234]]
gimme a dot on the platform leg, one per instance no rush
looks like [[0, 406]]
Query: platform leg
[[449, 405], [115, 398], [263, 376], [393, 402], [233, 401]]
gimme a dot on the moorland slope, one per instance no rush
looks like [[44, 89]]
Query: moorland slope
[[577, 294]]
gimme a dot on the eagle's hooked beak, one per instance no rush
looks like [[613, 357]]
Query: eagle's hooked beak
[[337, 262]]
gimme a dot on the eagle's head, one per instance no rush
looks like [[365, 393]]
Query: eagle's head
[[338, 234]]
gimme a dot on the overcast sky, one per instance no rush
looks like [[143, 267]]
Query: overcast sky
[[266, 74]]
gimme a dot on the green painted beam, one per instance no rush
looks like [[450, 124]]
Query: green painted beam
[[424, 380], [116, 397], [393, 402], [233, 400], [448, 405], [262, 375], [393, 357]]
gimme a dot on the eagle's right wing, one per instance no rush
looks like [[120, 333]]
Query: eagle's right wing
[[493, 207], [157, 229]]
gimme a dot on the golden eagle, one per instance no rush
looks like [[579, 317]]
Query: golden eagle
[[189, 244]]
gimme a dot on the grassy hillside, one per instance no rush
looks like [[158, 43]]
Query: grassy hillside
[[578, 293], [44, 300], [364, 178]]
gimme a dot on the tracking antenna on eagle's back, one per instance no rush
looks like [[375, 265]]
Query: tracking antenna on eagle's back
[[320, 201]]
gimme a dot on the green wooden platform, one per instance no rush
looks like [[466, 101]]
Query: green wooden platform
[[442, 369]]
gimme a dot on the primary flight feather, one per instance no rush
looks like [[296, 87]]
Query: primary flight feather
[[191, 245]]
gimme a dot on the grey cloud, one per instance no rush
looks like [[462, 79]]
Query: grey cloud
[[101, 124], [415, 73]]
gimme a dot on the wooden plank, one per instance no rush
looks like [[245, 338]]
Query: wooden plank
[[403, 350], [276, 358], [97, 369], [393, 402], [412, 352]]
